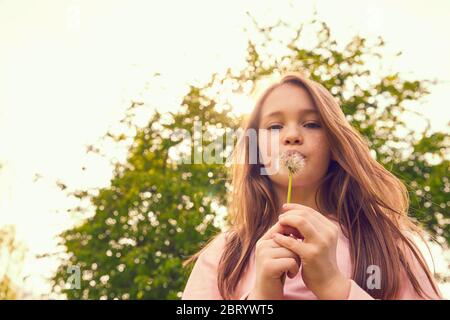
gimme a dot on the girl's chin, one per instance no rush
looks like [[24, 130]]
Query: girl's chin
[[297, 184], [298, 178], [284, 182]]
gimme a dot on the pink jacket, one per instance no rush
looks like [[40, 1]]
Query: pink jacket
[[202, 282]]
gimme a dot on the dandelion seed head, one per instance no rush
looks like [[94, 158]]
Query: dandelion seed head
[[292, 161]]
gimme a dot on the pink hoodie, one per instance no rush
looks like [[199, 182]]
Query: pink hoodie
[[202, 282]]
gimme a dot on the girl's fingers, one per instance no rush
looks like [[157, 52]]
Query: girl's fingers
[[276, 228], [282, 252], [308, 210], [292, 206], [314, 220], [319, 221], [288, 230], [288, 265], [302, 224], [292, 244]]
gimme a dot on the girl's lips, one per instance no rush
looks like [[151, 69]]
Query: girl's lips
[[289, 152]]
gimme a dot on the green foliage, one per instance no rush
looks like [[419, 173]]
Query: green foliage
[[153, 216], [156, 212], [12, 255]]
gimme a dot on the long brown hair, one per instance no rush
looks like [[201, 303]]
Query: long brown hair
[[369, 202]]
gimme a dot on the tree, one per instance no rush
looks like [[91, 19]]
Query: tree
[[12, 254], [156, 212]]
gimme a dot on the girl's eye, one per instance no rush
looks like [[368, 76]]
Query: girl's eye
[[312, 125], [275, 127]]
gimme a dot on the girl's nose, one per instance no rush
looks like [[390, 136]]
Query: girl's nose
[[292, 138]]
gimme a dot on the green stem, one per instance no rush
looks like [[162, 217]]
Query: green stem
[[283, 277], [289, 189]]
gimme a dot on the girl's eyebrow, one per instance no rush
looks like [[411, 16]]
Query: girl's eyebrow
[[279, 113]]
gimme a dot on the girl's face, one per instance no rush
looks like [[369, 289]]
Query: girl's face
[[290, 110]]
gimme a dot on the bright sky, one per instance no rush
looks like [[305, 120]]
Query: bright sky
[[69, 69]]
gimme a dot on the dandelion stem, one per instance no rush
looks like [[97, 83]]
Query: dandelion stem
[[289, 189]]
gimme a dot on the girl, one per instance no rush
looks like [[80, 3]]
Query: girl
[[354, 238]]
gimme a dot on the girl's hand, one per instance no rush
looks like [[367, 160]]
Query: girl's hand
[[272, 261], [317, 251]]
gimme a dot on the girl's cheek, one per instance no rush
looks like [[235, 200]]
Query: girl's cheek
[[318, 150], [320, 142]]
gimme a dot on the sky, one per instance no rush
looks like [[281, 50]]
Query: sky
[[69, 69]]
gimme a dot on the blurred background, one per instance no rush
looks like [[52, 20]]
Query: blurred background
[[93, 204]]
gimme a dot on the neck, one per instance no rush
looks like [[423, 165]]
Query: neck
[[304, 196]]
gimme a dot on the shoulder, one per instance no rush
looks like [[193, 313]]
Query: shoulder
[[202, 282], [213, 250]]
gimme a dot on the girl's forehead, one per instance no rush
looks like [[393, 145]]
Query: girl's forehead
[[287, 99]]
